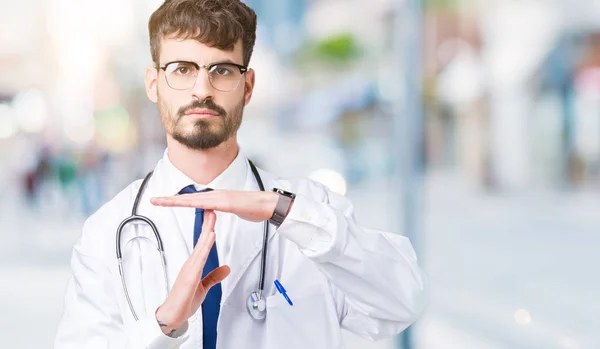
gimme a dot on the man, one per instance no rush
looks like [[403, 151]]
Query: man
[[321, 271]]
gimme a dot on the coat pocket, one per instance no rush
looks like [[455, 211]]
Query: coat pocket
[[311, 323]]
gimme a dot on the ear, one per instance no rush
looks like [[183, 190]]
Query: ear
[[151, 81], [249, 81]]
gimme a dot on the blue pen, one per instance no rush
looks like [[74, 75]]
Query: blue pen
[[283, 292]]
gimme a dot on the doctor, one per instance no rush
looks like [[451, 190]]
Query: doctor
[[312, 272]]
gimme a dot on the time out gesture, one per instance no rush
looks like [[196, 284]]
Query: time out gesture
[[189, 289]]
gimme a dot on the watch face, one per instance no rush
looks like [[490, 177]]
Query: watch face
[[284, 193]]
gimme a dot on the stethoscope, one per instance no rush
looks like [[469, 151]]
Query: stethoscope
[[255, 304]]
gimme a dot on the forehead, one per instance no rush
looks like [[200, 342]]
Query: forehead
[[192, 50]]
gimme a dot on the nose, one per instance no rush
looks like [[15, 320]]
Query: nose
[[202, 89]]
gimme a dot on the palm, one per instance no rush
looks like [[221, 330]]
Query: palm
[[190, 289], [199, 297]]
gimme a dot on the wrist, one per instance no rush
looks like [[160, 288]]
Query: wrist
[[168, 325], [272, 199]]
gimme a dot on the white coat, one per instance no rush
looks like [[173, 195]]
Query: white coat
[[337, 273]]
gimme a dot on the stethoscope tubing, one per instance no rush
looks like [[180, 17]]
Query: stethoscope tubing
[[135, 217]]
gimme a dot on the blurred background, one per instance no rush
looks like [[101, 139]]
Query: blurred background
[[470, 126]]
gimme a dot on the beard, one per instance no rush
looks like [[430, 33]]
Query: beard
[[203, 133]]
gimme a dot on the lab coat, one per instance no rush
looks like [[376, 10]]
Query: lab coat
[[337, 274]]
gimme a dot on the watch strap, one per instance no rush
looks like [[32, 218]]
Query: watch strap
[[283, 205]]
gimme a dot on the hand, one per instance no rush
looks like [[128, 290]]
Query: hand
[[255, 206], [189, 289]]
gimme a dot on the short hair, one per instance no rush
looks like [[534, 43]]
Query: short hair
[[217, 23]]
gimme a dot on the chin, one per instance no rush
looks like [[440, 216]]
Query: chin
[[197, 141]]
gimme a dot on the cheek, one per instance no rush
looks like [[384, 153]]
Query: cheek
[[233, 100], [169, 102]]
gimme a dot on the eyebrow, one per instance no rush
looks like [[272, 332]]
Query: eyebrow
[[227, 60]]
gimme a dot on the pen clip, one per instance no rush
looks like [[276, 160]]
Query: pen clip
[[283, 292]]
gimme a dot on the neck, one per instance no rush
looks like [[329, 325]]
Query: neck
[[202, 166]]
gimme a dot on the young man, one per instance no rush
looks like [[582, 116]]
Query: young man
[[230, 284]]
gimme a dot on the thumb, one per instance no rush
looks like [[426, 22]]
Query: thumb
[[215, 276]]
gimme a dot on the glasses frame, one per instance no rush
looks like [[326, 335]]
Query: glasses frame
[[243, 69]]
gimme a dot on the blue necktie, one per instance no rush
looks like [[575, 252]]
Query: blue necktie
[[212, 303]]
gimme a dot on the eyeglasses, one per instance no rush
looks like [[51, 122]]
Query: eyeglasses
[[182, 75]]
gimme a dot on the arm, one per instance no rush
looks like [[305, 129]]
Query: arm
[[376, 273], [92, 317]]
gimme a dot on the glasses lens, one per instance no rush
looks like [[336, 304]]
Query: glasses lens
[[181, 75], [225, 77]]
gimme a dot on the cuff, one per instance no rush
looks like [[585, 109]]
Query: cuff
[[154, 338], [310, 225]]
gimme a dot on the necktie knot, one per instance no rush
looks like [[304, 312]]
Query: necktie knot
[[191, 189]]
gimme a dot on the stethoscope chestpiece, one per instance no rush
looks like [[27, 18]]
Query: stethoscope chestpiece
[[257, 306]]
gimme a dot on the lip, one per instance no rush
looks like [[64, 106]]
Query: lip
[[201, 113]]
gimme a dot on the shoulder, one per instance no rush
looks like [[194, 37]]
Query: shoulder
[[118, 207]]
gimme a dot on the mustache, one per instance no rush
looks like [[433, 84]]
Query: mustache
[[206, 104]]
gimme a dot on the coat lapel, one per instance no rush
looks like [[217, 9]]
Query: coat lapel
[[175, 245]]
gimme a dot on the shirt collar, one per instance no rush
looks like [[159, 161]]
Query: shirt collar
[[233, 178]]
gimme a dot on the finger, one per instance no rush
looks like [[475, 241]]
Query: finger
[[199, 200], [210, 218], [208, 228], [219, 200], [214, 277], [204, 244], [178, 201], [201, 251]]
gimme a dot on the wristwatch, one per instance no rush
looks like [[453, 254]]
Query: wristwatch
[[283, 205]]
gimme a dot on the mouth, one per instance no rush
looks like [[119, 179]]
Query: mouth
[[201, 113]]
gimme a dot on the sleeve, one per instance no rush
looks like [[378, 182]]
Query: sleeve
[[91, 316], [376, 273]]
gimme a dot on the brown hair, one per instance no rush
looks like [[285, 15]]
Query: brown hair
[[218, 23]]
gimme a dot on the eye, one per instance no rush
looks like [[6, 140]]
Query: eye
[[222, 70], [182, 69]]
